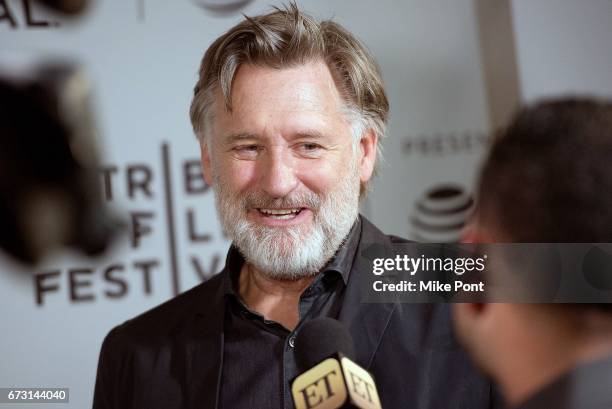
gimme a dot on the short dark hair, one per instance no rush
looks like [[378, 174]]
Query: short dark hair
[[548, 176]]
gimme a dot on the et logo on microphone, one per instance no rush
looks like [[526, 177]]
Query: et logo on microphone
[[322, 386], [335, 383]]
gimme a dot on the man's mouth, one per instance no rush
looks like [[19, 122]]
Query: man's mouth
[[280, 214]]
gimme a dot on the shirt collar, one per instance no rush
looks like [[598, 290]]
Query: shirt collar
[[233, 264], [341, 262]]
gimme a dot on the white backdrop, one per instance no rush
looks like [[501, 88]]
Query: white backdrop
[[563, 47], [142, 57]]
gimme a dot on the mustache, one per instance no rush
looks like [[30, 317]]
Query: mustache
[[294, 200]]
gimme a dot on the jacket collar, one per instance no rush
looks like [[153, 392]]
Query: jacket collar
[[366, 322], [206, 348]]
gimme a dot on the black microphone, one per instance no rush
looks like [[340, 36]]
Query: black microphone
[[330, 379]]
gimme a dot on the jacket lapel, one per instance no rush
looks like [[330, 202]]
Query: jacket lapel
[[205, 348], [366, 322]]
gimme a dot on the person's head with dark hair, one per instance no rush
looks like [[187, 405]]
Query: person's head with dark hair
[[547, 179]]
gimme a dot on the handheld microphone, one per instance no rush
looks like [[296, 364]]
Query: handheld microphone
[[332, 380]]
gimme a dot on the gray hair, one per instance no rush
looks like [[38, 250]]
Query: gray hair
[[286, 37]]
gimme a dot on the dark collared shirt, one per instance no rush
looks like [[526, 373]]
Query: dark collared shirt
[[259, 359]]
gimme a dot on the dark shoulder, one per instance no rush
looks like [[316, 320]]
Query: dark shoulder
[[397, 239], [372, 234], [172, 315]]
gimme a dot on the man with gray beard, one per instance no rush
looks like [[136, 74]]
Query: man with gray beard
[[289, 113]]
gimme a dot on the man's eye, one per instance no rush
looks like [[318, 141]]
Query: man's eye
[[310, 147], [247, 148], [247, 151]]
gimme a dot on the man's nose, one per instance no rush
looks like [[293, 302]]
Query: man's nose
[[278, 173]]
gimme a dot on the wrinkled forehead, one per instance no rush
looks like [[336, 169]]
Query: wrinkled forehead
[[264, 97]]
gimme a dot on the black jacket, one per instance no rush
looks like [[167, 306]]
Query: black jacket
[[171, 356], [586, 386]]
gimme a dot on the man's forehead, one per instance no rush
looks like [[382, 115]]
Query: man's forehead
[[305, 86], [300, 96]]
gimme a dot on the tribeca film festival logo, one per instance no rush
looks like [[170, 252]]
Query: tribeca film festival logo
[[222, 6], [219, 8], [143, 186], [21, 15], [440, 214]]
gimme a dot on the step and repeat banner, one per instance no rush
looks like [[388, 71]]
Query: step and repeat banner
[[141, 58]]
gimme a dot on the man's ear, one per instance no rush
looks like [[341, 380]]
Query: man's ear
[[476, 232], [466, 318], [368, 148], [469, 308], [471, 233], [206, 166]]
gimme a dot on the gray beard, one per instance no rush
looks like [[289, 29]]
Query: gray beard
[[292, 252]]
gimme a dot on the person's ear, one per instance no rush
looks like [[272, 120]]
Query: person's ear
[[206, 165], [368, 148], [479, 329], [475, 232], [470, 233], [466, 318], [470, 309]]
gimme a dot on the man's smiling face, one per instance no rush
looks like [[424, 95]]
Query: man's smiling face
[[285, 167]]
